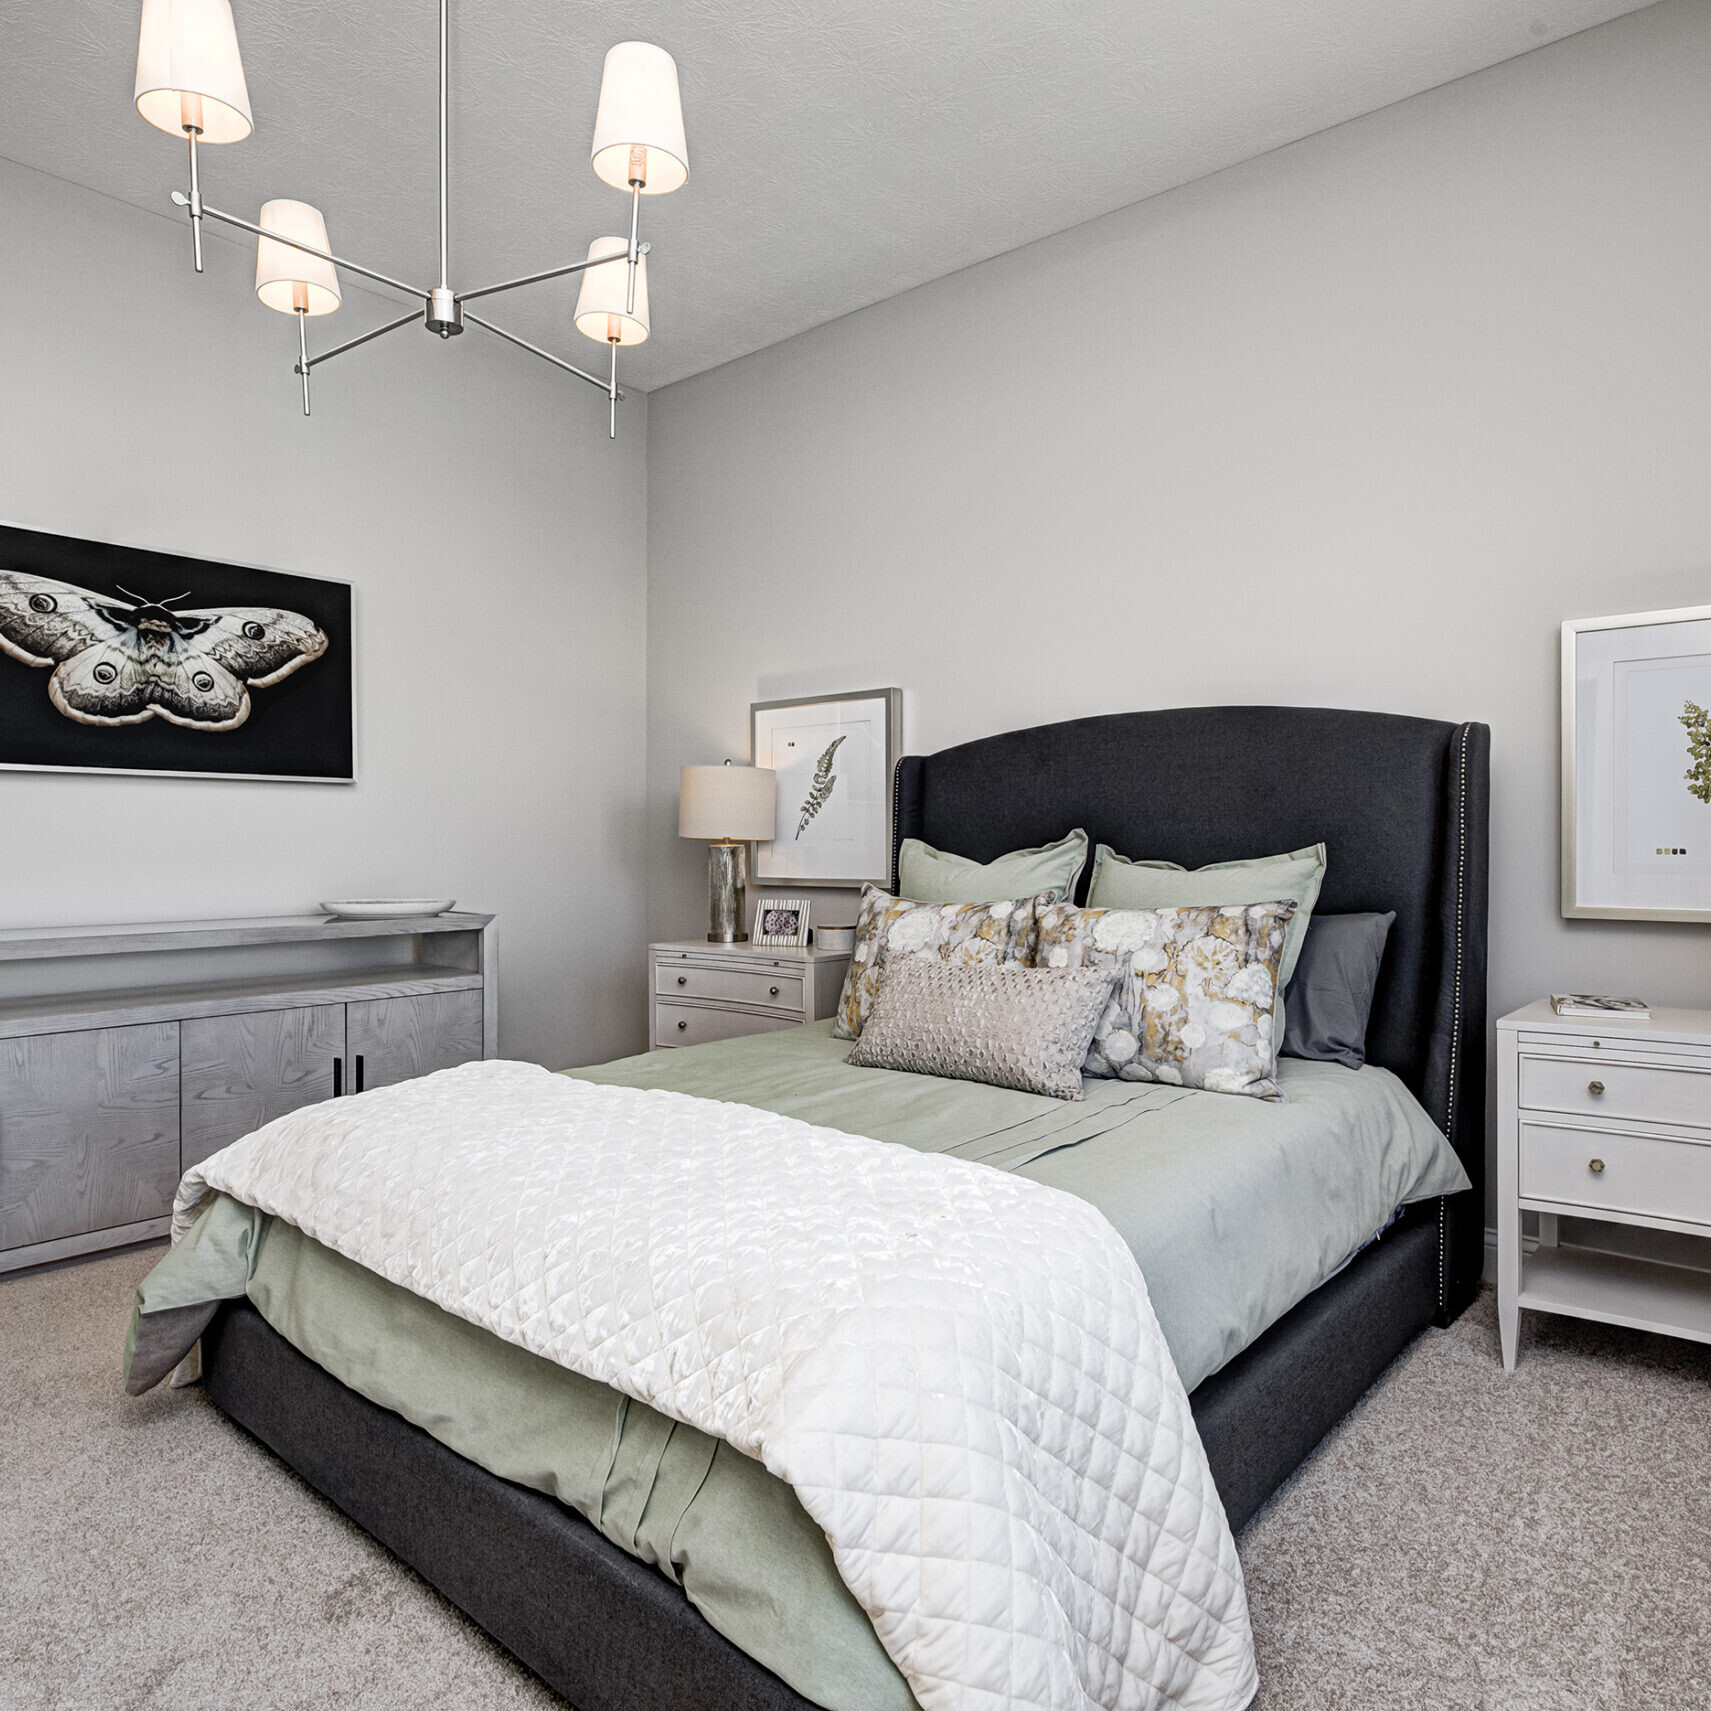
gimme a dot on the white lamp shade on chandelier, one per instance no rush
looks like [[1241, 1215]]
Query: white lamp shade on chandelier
[[189, 75], [286, 277], [600, 306], [718, 802], [640, 109], [190, 83]]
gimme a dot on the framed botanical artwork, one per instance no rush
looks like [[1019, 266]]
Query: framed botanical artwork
[[117, 659], [781, 921], [1636, 766], [834, 756]]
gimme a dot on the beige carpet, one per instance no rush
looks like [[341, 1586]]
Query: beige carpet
[[1464, 1541]]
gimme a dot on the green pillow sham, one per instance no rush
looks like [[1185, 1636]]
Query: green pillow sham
[[927, 875], [1119, 883]]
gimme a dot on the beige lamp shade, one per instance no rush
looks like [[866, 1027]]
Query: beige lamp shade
[[600, 311], [286, 278], [735, 802], [189, 75], [640, 109]]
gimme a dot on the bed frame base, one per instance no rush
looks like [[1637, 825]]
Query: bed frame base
[[1262, 1415], [608, 1632], [611, 1633]]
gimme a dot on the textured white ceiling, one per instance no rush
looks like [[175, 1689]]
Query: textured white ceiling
[[842, 150]]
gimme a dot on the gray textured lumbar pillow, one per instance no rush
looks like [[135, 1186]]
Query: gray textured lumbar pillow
[[1026, 1028]]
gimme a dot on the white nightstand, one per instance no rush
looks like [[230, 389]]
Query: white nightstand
[[1607, 1120], [703, 992]]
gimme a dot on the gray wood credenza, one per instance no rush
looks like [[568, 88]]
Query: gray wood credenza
[[128, 1054]]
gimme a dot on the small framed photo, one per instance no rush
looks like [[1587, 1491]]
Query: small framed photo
[[834, 756], [1636, 767], [781, 921]]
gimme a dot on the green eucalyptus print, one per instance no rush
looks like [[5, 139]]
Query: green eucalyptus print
[[821, 792], [1698, 776]]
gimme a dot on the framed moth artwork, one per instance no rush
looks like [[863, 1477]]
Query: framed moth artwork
[[117, 659], [834, 756], [1636, 766]]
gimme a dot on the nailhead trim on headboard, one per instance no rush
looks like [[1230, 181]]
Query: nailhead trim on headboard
[[896, 827], [1455, 989]]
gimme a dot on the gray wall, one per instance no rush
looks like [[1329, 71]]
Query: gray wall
[[1356, 424], [498, 548]]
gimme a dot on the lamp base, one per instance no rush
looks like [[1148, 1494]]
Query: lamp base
[[727, 892]]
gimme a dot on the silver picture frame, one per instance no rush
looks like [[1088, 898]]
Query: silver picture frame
[[781, 922], [824, 839], [1606, 874]]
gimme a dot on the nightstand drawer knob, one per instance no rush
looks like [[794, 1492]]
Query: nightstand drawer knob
[[1596, 1166], [683, 980], [682, 1025], [772, 991], [1595, 1087]]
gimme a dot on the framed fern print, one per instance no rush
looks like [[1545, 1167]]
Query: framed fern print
[[1636, 766], [834, 756]]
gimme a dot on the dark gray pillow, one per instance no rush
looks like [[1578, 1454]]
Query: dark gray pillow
[[1330, 997]]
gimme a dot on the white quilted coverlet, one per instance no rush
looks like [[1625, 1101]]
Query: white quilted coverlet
[[957, 1369]]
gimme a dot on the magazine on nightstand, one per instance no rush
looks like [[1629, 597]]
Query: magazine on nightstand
[[1600, 1004]]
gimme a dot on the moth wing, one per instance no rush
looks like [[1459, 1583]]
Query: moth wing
[[108, 683], [259, 644], [191, 687], [43, 621]]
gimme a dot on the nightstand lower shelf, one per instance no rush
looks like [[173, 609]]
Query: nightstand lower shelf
[[1645, 1295]]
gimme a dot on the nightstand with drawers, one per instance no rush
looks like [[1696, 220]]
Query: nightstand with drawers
[[1606, 1120], [701, 991]]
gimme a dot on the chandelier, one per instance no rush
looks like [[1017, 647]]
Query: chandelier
[[190, 82]]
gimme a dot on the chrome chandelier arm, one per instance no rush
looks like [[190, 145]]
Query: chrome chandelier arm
[[556, 361], [536, 278], [415, 315], [183, 201]]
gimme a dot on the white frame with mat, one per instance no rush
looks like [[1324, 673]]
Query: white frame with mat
[[1636, 828], [835, 756]]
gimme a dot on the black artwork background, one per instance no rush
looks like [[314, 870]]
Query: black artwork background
[[300, 728]]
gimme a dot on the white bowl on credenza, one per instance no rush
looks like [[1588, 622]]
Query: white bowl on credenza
[[386, 908]]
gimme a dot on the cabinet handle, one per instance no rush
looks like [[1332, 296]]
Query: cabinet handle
[[1596, 1166], [1595, 1087], [773, 990], [338, 1077], [359, 1072], [681, 1026], [683, 980]]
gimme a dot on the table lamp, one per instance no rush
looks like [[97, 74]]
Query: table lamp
[[727, 805]]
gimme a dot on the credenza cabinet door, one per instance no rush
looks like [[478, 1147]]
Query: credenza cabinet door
[[243, 1071], [88, 1131], [392, 1039]]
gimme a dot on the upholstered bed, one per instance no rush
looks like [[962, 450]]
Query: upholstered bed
[[1401, 804]]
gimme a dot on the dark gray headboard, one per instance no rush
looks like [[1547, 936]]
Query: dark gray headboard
[[1402, 805]]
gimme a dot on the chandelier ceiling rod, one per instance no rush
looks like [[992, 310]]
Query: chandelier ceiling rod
[[190, 79], [445, 177]]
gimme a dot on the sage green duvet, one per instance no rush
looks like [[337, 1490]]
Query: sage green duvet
[[1235, 1208]]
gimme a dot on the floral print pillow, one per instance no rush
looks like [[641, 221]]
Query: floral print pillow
[[959, 933], [1196, 994]]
